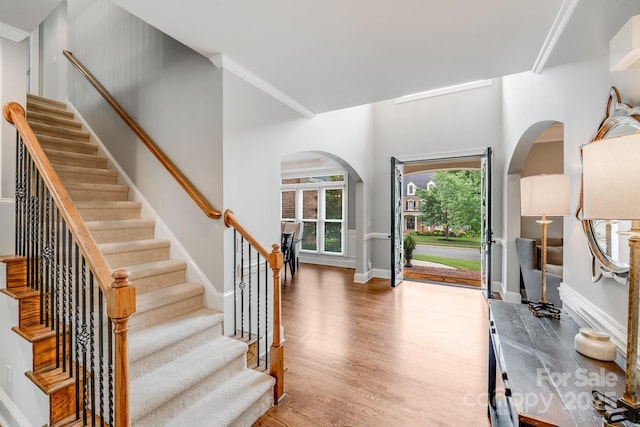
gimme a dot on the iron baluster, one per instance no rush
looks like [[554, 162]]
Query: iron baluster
[[266, 314], [101, 362], [258, 311], [242, 285], [235, 281], [63, 291]]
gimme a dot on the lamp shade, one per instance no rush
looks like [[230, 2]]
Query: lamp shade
[[544, 195], [610, 180]]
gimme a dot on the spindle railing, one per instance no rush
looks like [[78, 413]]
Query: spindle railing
[[251, 297], [79, 300]]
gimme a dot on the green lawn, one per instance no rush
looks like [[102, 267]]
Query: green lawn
[[460, 242], [461, 264]]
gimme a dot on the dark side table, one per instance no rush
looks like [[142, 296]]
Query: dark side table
[[536, 377]]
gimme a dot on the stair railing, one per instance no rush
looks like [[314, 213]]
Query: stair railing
[[63, 265], [242, 292]]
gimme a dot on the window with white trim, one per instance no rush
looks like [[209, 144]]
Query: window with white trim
[[411, 189], [319, 203]]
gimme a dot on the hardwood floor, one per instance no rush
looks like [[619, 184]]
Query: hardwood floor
[[370, 355]]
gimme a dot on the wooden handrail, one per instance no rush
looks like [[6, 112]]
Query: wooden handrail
[[14, 113], [173, 170], [119, 294]]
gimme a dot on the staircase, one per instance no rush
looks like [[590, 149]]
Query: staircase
[[183, 370]]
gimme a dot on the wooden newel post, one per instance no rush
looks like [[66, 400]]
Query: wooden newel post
[[122, 304], [277, 347]]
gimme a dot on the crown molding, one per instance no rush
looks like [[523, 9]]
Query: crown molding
[[12, 33], [223, 61], [559, 24]]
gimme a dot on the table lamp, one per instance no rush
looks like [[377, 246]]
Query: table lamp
[[611, 190], [544, 196]]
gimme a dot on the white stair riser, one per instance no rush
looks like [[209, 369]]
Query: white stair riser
[[192, 395], [160, 314], [153, 361]]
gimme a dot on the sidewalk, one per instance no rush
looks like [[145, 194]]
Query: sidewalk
[[419, 263]]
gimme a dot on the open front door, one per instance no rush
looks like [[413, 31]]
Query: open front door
[[396, 222], [486, 231]]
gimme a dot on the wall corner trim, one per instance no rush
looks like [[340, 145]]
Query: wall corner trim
[[224, 61]]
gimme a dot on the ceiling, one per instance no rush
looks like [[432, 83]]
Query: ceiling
[[323, 55], [19, 18]]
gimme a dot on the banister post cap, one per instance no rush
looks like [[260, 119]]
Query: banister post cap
[[6, 110]]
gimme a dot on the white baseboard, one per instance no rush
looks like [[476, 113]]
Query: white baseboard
[[333, 261], [374, 272], [587, 314], [213, 297], [9, 409], [508, 295]]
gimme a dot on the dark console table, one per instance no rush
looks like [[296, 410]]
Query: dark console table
[[536, 377]]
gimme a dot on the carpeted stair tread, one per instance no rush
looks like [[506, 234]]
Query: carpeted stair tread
[[135, 245], [46, 129], [79, 174], [64, 144], [34, 105], [167, 295], [153, 390], [47, 101], [113, 210], [228, 402], [97, 187], [121, 230], [37, 117], [154, 338], [140, 271], [76, 159], [120, 254]]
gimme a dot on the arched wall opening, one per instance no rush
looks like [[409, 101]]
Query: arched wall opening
[[318, 166], [540, 150]]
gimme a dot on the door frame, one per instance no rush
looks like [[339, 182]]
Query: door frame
[[451, 157]]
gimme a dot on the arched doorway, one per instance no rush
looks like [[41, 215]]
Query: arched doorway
[[325, 193], [539, 151]]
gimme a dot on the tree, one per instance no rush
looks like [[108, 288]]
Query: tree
[[454, 202]]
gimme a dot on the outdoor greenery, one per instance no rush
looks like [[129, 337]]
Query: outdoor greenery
[[462, 242], [453, 203], [461, 264]]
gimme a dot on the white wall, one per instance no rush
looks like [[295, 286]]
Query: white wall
[[259, 131], [53, 39], [20, 398], [175, 95], [13, 88], [574, 93], [462, 121]]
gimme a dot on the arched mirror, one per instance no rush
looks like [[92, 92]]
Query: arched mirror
[[607, 240]]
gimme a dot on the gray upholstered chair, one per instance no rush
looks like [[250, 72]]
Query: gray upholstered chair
[[532, 275]]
